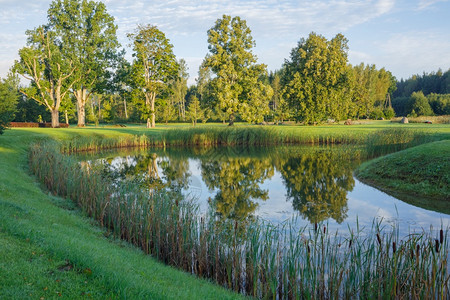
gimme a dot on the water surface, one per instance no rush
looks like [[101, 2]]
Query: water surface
[[314, 183]]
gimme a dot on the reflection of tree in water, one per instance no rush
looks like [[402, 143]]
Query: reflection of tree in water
[[318, 183], [143, 169], [238, 182]]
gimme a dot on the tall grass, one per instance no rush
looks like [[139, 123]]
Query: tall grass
[[257, 259], [214, 136], [395, 139]]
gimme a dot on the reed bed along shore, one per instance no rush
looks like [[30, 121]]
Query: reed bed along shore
[[257, 259], [378, 142]]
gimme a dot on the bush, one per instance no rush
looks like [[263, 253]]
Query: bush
[[389, 113], [420, 104], [376, 114]]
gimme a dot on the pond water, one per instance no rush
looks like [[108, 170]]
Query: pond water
[[314, 183]]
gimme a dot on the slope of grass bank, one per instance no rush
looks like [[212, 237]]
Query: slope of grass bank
[[422, 172], [49, 248]]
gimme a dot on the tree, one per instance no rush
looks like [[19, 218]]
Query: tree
[[420, 104], [317, 79], [43, 63], [194, 112], [179, 88], [153, 66], [8, 100], [86, 34], [234, 64]]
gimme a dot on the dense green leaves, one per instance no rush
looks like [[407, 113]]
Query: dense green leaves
[[236, 86], [8, 102], [43, 63], [86, 35], [153, 66], [317, 79]]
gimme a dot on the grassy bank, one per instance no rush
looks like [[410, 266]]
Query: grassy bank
[[69, 254], [421, 172], [56, 228]]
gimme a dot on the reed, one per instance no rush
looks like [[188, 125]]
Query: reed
[[257, 258], [390, 140]]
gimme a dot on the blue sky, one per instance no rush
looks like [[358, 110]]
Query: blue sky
[[405, 36]]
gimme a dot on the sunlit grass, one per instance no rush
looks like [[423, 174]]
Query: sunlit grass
[[260, 259]]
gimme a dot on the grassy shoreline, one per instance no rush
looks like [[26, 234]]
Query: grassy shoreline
[[420, 174], [54, 228], [41, 219]]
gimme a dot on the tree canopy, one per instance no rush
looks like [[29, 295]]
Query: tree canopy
[[236, 85], [153, 66]]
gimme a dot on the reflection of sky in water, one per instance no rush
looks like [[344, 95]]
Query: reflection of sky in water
[[365, 203]]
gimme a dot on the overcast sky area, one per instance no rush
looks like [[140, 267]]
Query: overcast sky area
[[404, 36]]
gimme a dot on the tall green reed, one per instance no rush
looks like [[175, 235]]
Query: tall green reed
[[257, 258]]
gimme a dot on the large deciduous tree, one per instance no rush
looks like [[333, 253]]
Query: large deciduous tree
[[153, 66], [43, 63], [236, 85], [317, 79], [87, 37]]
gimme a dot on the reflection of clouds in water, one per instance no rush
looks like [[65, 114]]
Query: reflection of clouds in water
[[365, 204]]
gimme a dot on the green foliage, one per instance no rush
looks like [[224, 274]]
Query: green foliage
[[236, 86], [434, 82], [153, 66], [86, 35], [440, 103], [8, 102], [402, 106], [376, 114], [194, 111], [420, 104], [43, 63], [370, 89], [389, 113], [317, 79]]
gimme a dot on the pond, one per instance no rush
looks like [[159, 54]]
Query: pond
[[316, 184]]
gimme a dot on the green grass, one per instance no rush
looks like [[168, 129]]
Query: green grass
[[60, 232], [421, 173]]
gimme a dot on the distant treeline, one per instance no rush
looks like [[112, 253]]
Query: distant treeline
[[427, 94]]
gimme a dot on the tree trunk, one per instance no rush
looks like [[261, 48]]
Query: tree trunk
[[81, 114], [125, 108], [231, 120], [99, 108], [152, 107], [67, 117], [55, 118], [81, 103]]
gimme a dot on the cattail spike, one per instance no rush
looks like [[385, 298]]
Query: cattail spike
[[436, 246], [394, 247], [441, 236]]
